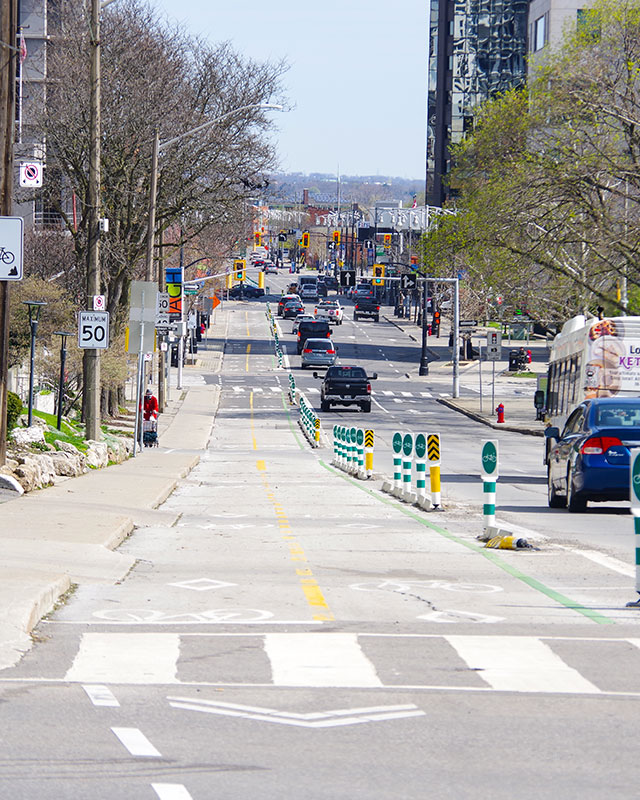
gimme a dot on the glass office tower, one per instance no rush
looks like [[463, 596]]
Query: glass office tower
[[477, 49]]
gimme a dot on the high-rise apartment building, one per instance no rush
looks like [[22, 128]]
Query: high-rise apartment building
[[477, 49]]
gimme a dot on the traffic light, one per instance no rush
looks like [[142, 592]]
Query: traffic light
[[238, 269], [386, 238], [378, 275], [436, 323], [336, 237], [257, 238], [305, 239]]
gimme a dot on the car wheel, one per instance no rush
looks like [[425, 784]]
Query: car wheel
[[575, 503], [366, 407], [302, 366], [377, 318], [325, 406], [355, 317], [555, 500]]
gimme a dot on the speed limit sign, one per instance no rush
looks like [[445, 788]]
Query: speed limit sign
[[93, 330]]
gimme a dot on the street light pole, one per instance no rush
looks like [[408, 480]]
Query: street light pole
[[424, 361], [34, 307]]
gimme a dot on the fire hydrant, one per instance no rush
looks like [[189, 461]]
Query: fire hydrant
[[500, 412]]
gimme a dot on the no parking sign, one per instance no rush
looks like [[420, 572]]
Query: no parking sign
[[31, 174]]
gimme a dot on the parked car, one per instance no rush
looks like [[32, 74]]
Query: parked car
[[284, 300], [301, 318], [292, 309], [590, 459], [318, 353], [331, 310], [314, 329]]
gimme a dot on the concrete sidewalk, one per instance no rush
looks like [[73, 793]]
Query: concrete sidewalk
[[66, 534], [516, 394]]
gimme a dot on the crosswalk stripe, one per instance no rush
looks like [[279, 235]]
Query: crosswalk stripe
[[126, 658], [406, 394], [136, 742], [426, 394], [519, 664], [387, 393], [310, 659], [275, 388]]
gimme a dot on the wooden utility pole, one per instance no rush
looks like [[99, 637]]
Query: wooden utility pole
[[91, 363], [8, 57]]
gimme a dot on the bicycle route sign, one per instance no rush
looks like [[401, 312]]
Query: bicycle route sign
[[11, 239]]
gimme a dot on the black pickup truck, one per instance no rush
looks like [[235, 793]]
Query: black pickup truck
[[366, 307], [345, 386]]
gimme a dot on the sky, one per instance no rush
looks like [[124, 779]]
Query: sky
[[356, 81]]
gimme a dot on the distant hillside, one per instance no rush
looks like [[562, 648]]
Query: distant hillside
[[364, 189]]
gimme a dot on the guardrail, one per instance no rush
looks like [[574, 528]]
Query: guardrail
[[309, 421], [353, 451]]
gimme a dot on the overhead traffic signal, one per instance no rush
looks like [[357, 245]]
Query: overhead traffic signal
[[386, 238], [257, 238], [378, 275], [305, 239], [238, 269], [336, 237]]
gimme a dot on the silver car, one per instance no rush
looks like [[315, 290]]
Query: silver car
[[319, 353]]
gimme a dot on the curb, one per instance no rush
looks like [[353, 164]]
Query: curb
[[489, 423]]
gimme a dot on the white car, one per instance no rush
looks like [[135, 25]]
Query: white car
[[301, 318], [330, 310]]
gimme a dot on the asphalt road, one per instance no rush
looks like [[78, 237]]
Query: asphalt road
[[300, 634]]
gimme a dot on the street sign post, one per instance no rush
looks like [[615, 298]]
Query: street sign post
[[31, 174], [11, 248], [93, 330]]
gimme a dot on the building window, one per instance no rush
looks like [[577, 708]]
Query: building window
[[540, 33]]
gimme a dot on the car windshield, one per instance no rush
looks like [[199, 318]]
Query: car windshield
[[346, 372], [614, 416]]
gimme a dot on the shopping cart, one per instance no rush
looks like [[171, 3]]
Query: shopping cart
[[150, 432]]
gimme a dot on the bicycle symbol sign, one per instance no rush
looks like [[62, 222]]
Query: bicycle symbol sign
[[11, 238]]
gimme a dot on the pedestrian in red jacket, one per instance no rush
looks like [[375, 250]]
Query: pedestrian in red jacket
[[151, 408]]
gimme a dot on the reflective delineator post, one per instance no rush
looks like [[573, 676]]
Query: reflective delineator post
[[349, 453], [397, 461], [368, 453], [407, 463], [336, 459], [433, 456], [353, 435], [634, 496], [421, 466], [489, 479], [316, 432], [360, 452]]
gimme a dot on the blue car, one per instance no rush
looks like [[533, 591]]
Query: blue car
[[589, 460]]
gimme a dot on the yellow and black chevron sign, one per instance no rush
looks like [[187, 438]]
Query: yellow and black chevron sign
[[368, 438], [433, 447]]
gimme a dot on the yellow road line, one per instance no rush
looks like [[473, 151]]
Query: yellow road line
[[246, 367], [246, 316], [309, 585]]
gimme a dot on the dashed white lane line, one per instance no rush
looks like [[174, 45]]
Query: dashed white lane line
[[386, 411], [136, 742], [397, 400], [101, 695], [171, 791]]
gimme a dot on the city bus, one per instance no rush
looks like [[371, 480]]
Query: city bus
[[592, 358]]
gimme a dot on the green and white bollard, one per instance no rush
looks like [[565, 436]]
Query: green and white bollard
[[407, 463], [421, 466], [489, 480], [360, 452], [397, 461], [634, 495], [336, 457]]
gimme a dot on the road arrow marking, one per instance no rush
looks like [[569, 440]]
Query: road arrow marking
[[316, 719]]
